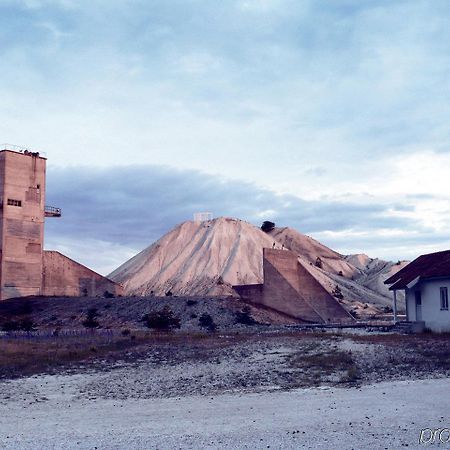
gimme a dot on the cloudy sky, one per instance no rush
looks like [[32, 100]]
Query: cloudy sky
[[329, 116]]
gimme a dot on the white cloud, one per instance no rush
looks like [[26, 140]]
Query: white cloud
[[339, 101]]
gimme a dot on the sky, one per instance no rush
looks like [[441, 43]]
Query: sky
[[332, 117]]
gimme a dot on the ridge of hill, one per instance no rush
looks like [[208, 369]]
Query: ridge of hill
[[197, 258]]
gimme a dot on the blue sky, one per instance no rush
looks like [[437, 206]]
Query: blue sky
[[328, 116]]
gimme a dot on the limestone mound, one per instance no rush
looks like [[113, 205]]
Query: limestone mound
[[208, 258]]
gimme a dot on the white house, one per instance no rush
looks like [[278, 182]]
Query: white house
[[426, 282]]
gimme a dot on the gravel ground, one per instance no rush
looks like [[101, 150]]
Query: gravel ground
[[48, 412], [294, 390]]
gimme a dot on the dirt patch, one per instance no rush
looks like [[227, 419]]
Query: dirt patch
[[174, 364]]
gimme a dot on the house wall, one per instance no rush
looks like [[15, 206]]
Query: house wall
[[22, 178], [64, 277], [435, 319]]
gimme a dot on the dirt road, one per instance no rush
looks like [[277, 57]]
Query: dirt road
[[48, 412]]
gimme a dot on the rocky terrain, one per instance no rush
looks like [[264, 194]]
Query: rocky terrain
[[69, 313], [261, 390]]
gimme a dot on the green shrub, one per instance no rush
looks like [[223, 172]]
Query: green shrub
[[162, 320], [22, 325], [267, 226], [245, 317], [206, 321], [91, 319], [338, 293]]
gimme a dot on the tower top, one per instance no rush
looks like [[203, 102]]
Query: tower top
[[21, 150]]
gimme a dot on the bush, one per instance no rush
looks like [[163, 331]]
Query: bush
[[206, 321], [27, 325], [24, 308], [245, 317], [169, 293], [162, 320], [91, 319], [267, 226], [22, 325], [108, 294], [191, 302], [338, 293]]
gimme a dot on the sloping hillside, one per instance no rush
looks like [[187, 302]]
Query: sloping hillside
[[197, 258], [310, 249], [373, 272], [359, 277]]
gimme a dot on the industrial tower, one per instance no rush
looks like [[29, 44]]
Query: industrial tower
[[22, 214]]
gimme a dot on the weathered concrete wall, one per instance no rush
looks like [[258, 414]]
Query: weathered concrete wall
[[22, 198], [64, 277], [250, 292], [282, 288], [291, 289], [328, 308]]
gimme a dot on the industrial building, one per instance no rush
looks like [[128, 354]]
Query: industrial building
[[26, 269], [289, 288]]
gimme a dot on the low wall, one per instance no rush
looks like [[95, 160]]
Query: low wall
[[291, 289], [63, 276]]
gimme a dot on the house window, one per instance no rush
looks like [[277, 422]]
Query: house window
[[13, 202], [444, 298]]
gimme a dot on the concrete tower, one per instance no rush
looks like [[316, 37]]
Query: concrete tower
[[22, 213]]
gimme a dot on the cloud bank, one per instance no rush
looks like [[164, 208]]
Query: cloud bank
[[110, 214]]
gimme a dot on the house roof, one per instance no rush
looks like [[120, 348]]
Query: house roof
[[432, 265]]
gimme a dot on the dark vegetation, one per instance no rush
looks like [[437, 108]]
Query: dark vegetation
[[91, 319], [338, 293], [20, 325], [267, 226], [245, 317], [164, 319], [191, 302], [206, 321]]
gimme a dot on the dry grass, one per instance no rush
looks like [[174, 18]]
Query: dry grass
[[28, 356], [313, 358]]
